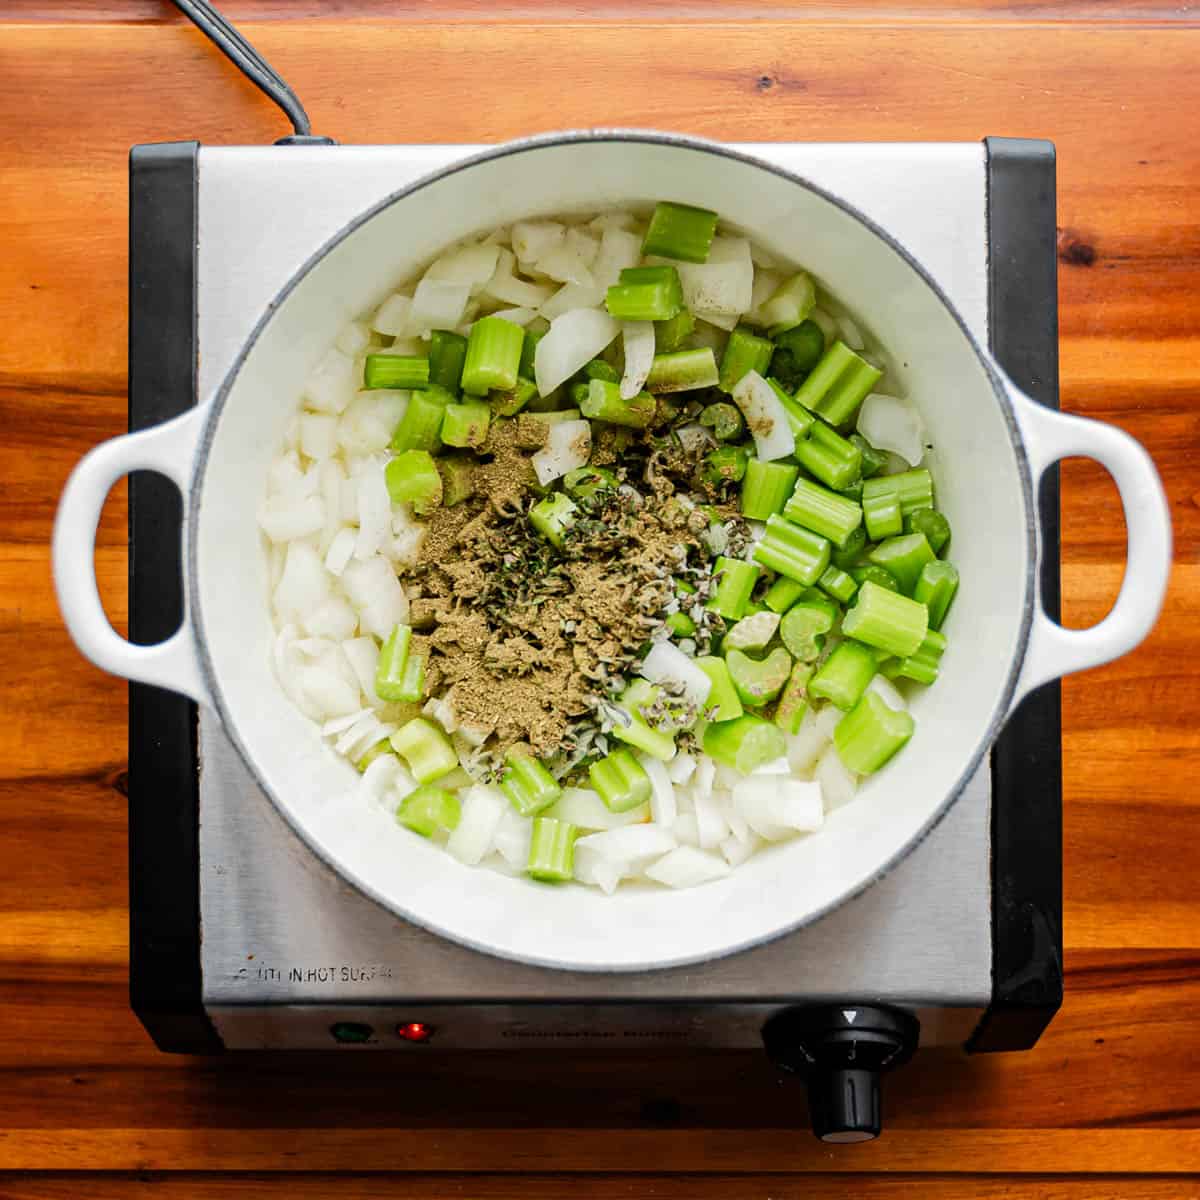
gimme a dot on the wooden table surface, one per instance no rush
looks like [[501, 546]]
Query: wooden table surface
[[1108, 1105]]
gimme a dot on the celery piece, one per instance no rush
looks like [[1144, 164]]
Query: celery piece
[[421, 426], [847, 554], [767, 488], [905, 557], [932, 524], [828, 456], [412, 478], [447, 353], [527, 784], [790, 304], [744, 352], [458, 478], [425, 748], [529, 353], [797, 553], [620, 780], [429, 809], [873, 461], [682, 371], [585, 483], [725, 421], [493, 356], [870, 733], [745, 743], [723, 703], [881, 513], [838, 584], [823, 511], [923, 666], [726, 464], [793, 700], [844, 675], [783, 593], [670, 335], [551, 851], [401, 371], [839, 383], [509, 403], [752, 632], [735, 581], [759, 681], [935, 589], [603, 403], [680, 231], [553, 517], [881, 575], [645, 294], [886, 620], [803, 630], [381, 747], [466, 425], [393, 680]]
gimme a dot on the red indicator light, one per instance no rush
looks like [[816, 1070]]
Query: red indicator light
[[414, 1031]]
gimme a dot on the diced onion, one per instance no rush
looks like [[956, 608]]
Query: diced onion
[[374, 589], [512, 837], [574, 340], [532, 240], [638, 340], [571, 296], [392, 318], [331, 384], [711, 827], [584, 808], [686, 829], [472, 265], [340, 550], [516, 316], [334, 619], [681, 768], [850, 332], [437, 304], [362, 654], [632, 845], [507, 288], [838, 782], [568, 446], [889, 423], [565, 264], [318, 434], [667, 664], [765, 416], [775, 806], [663, 807], [374, 514], [378, 778], [304, 584], [284, 519], [354, 338], [482, 808], [329, 693], [687, 867], [619, 250]]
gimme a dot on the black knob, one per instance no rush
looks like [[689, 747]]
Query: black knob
[[841, 1050]]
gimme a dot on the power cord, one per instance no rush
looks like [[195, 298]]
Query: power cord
[[213, 24]]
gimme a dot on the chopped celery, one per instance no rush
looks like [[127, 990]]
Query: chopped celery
[[493, 356], [620, 780], [793, 700], [745, 743], [421, 426], [527, 784], [905, 556], [803, 630], [429, 809], [726, 464], [680, 231], [458, 478], [412, 478], [680, 625], [744, 352], [645, 294], [670, 335], [846, 556], [725, 421], [735, 582], [399, 676], [447, 353], [723, 703], [932, 524], [783, 593], [886, 620], [752, 632], [584, 483], [603, 403], [797, 553], [844, 675], [466, 425], [827, 455], [637, 697], [823, 511], [402, 371], [839, 383], [599, 369], [881, 513], [551, 851], [682, 371], [881, 575], [528, 353], [922, 667], [912, 489], [553, 516], [868, 735], [766, 488], [425, 748], [381, 747], [873, 461], [509, 403], [935, 589], [790, 304], [838, 584], [759, 681]]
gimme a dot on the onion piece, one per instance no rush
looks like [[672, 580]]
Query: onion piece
[[568, 445], [571, 296], [532, 240], [375, 591], [765, 416], [362, 654], [888, 693], [724, 284], [284, 518], [331, 384], [838, 782], [890, 423], [437, 304], [391, 318], [377, 779], [663, 807], [354, 338], [584, 808], [638, 340], [512, 837], [508, 289], [711, 826], [631, 846], [341, 724], [565, 265], [598, 872], [304, 584], [737, 850], [619, 250], [473, 265], [334, 619], [687, 867], [329, 693], [775, 806], [574, 339], [681, 768], [850, 332], [340, 551], [667, 664], [482, 808], [686, 829], [374, 514], [318, 434], [829, 327], [516, 316]]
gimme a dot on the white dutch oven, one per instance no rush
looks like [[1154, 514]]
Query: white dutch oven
[[991, 445]]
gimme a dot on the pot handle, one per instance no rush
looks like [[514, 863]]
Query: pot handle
[[1053, 651], [168, 449]]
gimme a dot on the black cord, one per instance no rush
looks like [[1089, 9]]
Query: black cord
[[243, 55]]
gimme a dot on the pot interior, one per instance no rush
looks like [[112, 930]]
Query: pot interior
[[979, 485]]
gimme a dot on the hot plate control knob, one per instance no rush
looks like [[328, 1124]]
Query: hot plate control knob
[[841, 1050]]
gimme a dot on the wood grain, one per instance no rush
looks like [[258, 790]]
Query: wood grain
[[1108, 1105]]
